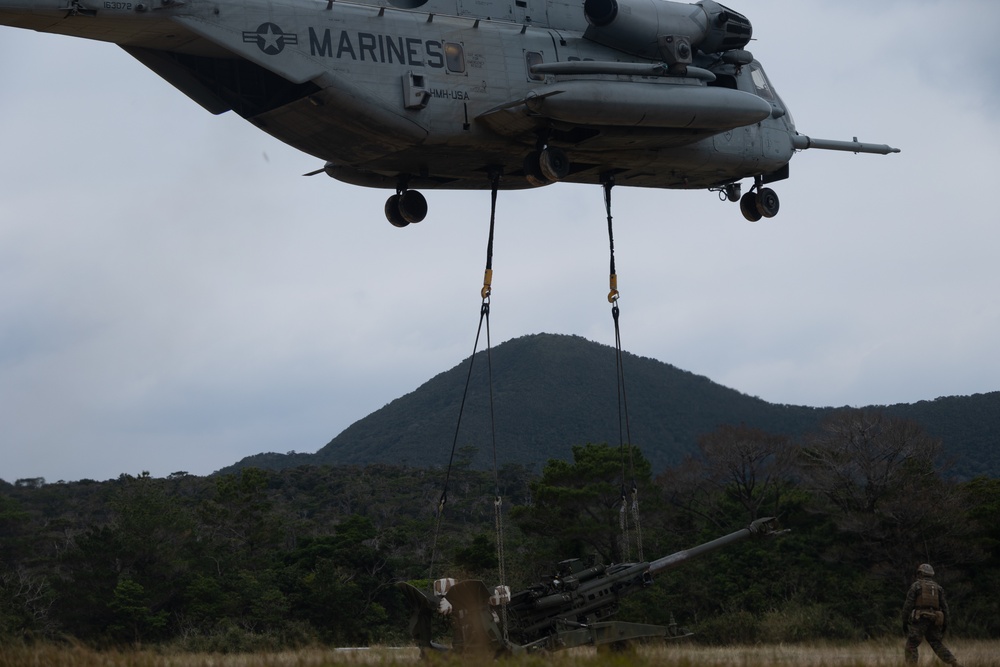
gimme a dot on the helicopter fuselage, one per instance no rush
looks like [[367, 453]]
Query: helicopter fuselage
[[449, 93]]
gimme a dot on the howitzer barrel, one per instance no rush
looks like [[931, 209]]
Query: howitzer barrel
[[764, 526]]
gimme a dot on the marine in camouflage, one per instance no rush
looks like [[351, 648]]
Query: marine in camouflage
[[925, 616]]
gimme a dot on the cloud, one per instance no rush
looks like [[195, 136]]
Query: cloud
[[174, 295]]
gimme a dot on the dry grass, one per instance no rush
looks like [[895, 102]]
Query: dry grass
[[868, 654], [78, 656]]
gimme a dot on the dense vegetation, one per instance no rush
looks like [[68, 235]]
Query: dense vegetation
[[552, 392], [259, 559]]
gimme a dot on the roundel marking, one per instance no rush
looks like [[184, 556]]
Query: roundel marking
[[270, 38]]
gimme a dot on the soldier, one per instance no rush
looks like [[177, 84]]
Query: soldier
[[925, 616]]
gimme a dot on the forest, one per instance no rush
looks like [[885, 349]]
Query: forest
[[260, 559]]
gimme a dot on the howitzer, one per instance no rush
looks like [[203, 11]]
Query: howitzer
[[567, 609]]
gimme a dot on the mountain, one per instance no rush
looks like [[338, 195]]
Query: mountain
[[555, 391]]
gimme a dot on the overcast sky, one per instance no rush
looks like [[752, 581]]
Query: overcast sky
[[174, 295]]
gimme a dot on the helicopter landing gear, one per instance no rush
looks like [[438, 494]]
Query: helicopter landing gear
[[404, 207], [767, 202], [760, 204], [553, 163], [545, 166], [748, 207]]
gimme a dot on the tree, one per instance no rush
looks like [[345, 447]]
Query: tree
[[738, 466], [151, 528], [580, 505], [979, 612], [240, 521], [124, 576], [13, 526], [880, 475], [862, 459], [877, 477], [479, 556], [133, 617], [90, 572], [25, 600], [342, 583]]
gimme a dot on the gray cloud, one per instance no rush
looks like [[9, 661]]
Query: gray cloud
[[173, 300]]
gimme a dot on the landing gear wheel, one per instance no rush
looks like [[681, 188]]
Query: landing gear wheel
[[748, 207], [553, 164], [403, 208], [767, 203], [412, 206], [393, 214], [533, 170]]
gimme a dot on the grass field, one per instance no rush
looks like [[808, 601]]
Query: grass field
[[869, 654]]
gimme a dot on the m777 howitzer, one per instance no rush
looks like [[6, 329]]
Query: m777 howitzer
[[565, 610]]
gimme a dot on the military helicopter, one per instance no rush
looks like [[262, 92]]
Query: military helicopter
[[473, 94]]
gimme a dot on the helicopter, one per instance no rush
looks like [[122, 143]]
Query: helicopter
[[411, 95]]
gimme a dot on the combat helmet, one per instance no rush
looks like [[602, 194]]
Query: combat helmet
[[925, 570]]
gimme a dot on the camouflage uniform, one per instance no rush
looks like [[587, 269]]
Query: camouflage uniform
[[925, 616]]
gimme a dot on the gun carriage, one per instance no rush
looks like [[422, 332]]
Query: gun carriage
[[568, 609]]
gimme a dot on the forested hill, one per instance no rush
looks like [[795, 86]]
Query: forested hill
[[555, 391]]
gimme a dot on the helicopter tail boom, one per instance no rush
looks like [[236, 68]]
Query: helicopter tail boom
[[802, 142]]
